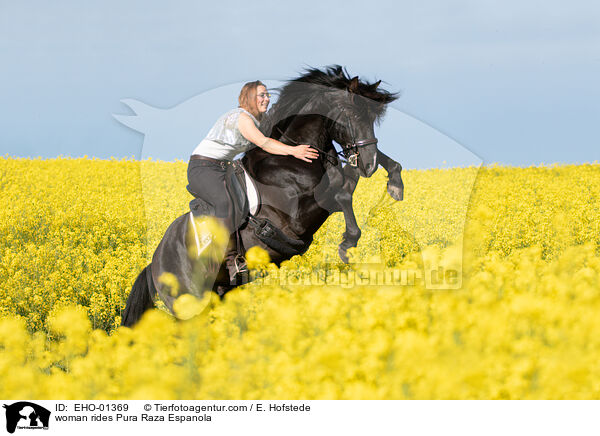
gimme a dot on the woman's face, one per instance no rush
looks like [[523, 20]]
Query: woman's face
[[262, 99]]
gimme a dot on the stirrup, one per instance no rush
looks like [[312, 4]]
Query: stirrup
[[240, 264], [238, 270]]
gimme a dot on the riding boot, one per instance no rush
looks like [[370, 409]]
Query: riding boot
[[236, 264]]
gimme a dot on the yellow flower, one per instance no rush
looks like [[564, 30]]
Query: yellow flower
[[170, 280], [206, 237], [520, 322], [257, 257], [188, 306]]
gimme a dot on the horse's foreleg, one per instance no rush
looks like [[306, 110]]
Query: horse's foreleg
[[395, 188], [344, 198], [395, 185], [334, 194]]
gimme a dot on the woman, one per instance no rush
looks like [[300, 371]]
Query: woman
[[210, 170]]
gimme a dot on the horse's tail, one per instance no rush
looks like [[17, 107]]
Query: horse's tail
[[140, 299]]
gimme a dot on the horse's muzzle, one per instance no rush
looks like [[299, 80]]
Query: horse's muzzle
[[368, 168]]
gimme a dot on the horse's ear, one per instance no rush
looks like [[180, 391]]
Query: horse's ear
[[353, 86], [376, 84]]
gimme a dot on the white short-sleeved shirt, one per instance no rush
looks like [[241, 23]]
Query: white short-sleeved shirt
[[224, 140]]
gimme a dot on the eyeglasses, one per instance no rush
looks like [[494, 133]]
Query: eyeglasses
[[264, 95]]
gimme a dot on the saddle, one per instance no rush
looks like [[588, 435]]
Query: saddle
[[246, 199]]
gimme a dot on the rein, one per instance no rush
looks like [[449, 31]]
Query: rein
[[351, 159], [321, 151]]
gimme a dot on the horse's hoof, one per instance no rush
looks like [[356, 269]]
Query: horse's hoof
[[343, 254], [396, 192]]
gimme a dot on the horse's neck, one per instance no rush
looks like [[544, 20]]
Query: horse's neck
[[292, 206], [303, 129]]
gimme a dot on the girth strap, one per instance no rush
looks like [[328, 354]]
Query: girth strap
[[274, 238]]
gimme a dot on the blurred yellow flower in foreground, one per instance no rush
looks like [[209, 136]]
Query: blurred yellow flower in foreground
[[188, 306], [257, 257]]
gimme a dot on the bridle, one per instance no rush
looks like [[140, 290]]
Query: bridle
[[352, 158], [349, 153]]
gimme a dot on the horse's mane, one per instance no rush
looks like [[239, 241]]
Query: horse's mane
[[308, 93]]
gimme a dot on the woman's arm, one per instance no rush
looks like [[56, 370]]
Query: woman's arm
[[249, 131]]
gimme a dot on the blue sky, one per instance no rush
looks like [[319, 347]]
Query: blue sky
[[512, 82]]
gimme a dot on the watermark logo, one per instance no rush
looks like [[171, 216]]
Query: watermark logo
[[361, 275], [180, 128], [24, 415]]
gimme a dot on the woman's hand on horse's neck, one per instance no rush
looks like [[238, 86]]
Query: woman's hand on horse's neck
[[249, 131]]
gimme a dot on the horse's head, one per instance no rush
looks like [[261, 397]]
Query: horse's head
[[355, 110], [351, 106]]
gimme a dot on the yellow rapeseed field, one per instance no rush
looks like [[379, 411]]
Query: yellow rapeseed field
[[517, 316]]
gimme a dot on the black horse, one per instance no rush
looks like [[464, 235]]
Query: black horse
[[318, 108]]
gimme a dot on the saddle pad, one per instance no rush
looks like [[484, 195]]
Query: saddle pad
[[252, 193]]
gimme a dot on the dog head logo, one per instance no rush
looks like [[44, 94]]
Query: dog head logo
[[26, 415]]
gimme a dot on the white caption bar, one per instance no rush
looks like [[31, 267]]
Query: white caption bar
[[263, 418]]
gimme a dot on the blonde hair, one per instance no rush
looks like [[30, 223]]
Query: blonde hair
[[247, 98]]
